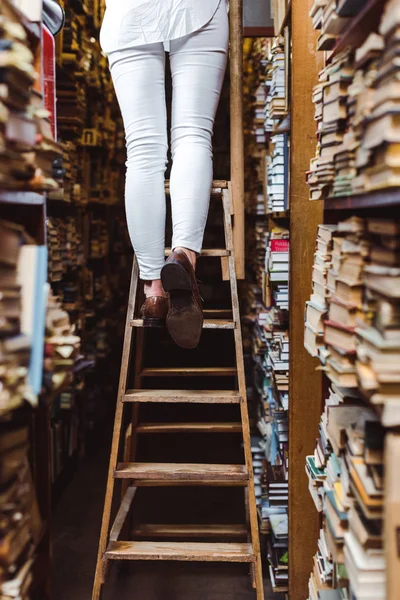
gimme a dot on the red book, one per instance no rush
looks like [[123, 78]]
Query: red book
[[279, 245]]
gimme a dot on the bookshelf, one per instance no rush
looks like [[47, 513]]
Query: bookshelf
[[353, 469], [266, 299]]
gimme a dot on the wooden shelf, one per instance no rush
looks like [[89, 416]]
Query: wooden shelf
[[283, 214], [378, 199], [359, 27], [31, 198], [286, 18]]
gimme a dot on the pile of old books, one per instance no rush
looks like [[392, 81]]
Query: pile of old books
[[352, 318], [331, 112], [277, 103], [14, 345], [331, 17], [20, 519], [27, 144], [62, 346], [380, 138], [356, 105], [65, 246], [271, 355], [277, 266], [277, 186], [346, 483], [99, 238]]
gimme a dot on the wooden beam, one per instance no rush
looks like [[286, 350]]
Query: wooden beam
[[237, 141], [305, 382]]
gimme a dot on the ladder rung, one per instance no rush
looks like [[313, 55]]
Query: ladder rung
[[218, 313], [207, 252], [166, 472], [184, 396], [188, 551], [189, 531], [207, 323], [217, 186], [189, 372], [189, 428]]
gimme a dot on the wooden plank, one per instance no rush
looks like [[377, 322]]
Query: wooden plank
[[206, 252], [182, 551], [126, 352], [218, 313], [305, 381], [217, 186], [189, 372], [184, 396], [207, 324], [176, 471], [378, 199], [252, 509], [236, 133], [122, 513], [189, 428], [189, 531], [392, 514], [360, 26], [22, 198]]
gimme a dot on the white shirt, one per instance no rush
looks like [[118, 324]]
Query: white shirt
[[129, 23]]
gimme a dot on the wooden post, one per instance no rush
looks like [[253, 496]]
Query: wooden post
[[305, 382], [237, 141]]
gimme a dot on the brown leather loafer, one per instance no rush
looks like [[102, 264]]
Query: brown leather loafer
[[185, 314], [154, 311]]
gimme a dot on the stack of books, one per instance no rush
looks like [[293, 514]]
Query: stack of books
[[380, 139], [356, 101], [277, 103], [270, 357], [331, 18], [331, 112], [352, 318], [277, 186], [62, 346], [277, 266], [378, 346], [20, 518], [27, 145], [346, 483], [256, 80], [14, 344]]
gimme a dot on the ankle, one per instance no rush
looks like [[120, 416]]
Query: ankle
[[154, 288], [192, 256]]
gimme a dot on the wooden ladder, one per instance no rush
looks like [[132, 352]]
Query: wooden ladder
[[136, 474]]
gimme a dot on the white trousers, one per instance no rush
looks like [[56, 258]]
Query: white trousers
[[198, 64]]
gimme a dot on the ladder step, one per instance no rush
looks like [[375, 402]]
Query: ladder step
[[184, 396], [187, 551], [206, 252], [169, 472], [207, 323], [189, 372], [217, 186], [189, 428], [189, 531]]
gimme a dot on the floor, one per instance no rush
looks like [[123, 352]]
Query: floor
[[76, 527]]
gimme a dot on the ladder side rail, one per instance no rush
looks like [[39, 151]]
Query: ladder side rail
[[236, 131], [126, 353], [242, 390]]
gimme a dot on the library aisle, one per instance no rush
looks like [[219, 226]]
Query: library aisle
[[306, 156]]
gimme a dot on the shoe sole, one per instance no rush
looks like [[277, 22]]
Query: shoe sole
[[185, 318]]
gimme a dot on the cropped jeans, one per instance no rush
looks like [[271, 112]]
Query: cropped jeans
[[198, 63]]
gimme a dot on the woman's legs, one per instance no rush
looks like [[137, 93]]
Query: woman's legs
[[198, 64], [138, 76]]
